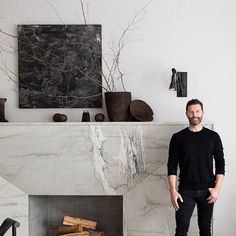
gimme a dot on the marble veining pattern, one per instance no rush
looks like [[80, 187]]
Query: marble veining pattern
[[98, 139], [91, 159], [13, 204], [59, 66]]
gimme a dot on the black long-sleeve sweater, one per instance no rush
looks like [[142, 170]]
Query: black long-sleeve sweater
[[194, 152]]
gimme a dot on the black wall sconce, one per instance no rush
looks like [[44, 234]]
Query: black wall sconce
[[179, 83]]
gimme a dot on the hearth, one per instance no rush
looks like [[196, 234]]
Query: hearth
[[46, 213]]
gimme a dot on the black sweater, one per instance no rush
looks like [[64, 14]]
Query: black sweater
[[194, 152]]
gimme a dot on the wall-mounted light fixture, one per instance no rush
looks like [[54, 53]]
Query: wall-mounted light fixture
[[179, 83]]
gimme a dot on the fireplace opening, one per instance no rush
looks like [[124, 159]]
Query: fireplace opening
[[46, 213]]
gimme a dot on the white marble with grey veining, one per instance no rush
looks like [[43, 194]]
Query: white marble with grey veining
[[13, 204], [126, 159]]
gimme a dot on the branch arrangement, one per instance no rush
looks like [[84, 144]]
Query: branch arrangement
[[111, 74]]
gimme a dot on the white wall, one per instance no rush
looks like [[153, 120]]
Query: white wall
[[194, 36]]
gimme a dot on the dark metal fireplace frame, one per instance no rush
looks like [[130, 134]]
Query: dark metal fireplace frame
[[7, 224]]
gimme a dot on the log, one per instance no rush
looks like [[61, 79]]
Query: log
[[96, 233], [84, 233], [79, 221], [66, 229]]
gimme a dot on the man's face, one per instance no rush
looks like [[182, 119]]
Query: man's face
[[194, 114]]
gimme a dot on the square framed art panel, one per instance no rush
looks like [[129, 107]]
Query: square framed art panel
[[60, 66]]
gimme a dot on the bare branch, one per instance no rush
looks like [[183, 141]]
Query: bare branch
[[7, 34], [122, 79], [115, 66], [113, 73], [11, 78], [6, 72], [104, 76], [83, 12], [55, 10]]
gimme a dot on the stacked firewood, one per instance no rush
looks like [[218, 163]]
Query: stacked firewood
[[78, 227]]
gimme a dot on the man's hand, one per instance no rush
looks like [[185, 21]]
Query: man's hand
[[174, 199], [214, 195]]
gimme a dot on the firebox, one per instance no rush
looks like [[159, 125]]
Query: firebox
[[46, 213]]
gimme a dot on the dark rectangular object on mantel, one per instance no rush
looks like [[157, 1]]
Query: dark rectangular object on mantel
[[60, 66], [46, 213]]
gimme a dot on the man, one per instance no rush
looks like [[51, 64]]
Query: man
[[193, 150]]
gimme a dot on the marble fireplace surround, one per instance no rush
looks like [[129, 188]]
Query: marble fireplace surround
[[127, 159]]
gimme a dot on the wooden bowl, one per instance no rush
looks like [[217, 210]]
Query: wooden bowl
[[140, 111]]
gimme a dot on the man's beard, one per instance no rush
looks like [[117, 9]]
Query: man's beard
[[195, 121]]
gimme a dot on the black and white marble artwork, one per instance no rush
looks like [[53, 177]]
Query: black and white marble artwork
[[60, 66]]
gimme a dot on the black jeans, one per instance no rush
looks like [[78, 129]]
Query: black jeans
[[204, 210]]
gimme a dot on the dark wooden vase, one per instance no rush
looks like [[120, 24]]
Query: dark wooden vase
[[2, 110], [117, 104]]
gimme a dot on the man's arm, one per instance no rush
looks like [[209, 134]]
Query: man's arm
[[218, 154], [173, 192], [172, 172], [216, 190]]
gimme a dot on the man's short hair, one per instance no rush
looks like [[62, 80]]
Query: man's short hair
[[194, 102]]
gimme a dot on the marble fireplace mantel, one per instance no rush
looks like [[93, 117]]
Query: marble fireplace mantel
[[110, 158]]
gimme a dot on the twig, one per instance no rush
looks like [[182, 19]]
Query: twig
[[83, 12], [104, 76], [7, 34], [55, 10], [5, 70], [115, 73], [121, 44], [11, 79]]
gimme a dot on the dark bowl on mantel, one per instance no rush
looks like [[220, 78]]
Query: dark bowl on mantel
[[140, 111]]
